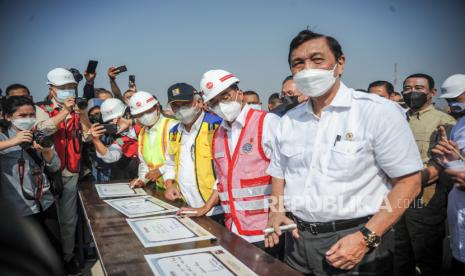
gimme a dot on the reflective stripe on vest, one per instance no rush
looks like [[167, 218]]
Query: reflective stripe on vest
[[243, 184], [249, 205], [152, 147], [247, 192]]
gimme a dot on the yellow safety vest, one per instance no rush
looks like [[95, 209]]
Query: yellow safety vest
[[153, 150], [202, 152]]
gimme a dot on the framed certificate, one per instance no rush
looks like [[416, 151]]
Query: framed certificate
[[165, 230], [141, 206], [209, 261], [117, 190]]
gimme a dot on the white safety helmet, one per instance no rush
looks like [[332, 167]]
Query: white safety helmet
[[111, 109], [453, 86], [216, 81], [59, 77], [141, 101]]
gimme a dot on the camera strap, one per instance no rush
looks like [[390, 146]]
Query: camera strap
[[37, 173]]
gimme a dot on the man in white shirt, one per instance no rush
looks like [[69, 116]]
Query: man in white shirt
[[331, 167], [188, 171], [453, 90], [242, 146]]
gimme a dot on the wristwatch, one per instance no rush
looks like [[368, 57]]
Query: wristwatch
[[370, 237]]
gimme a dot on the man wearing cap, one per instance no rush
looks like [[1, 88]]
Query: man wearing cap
[[123, 152], [69, 121], [242, 146], [189, 170], [420, 231], [340, 165], [152, 140], [453, 90]]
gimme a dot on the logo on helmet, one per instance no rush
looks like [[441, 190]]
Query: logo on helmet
[[209, 85], [138, 104]]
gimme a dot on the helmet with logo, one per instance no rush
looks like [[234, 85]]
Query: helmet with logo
[[60, 76], [216, 81], [141, 101], [111, 109]]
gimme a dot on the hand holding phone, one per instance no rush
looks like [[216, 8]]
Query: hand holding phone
[[121, 69], [110, 128], [91, 66], [132, 81]]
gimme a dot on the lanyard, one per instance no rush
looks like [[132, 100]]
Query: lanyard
[[37, 173]]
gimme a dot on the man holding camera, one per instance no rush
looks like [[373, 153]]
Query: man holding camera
[[69, 120]]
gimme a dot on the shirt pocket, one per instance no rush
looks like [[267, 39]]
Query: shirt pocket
[[294, 156], [425, 141], [347, 159]]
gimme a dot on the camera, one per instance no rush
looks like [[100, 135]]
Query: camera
[[76, 74], [42, 139], [81, 103]]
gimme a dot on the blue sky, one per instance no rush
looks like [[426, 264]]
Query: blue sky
[[164, 42]]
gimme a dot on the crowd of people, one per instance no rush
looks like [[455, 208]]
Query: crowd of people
[[371, 178]]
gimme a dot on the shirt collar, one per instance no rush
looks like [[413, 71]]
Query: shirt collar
[[421, 112], [343, 98], [239, 120], [196, 126]]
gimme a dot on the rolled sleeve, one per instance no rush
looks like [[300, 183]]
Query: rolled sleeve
[[457, 165], [276, 167], [395, 149], [54, 164], [169, 170], [269, 133], [44, 122], [112, 155]]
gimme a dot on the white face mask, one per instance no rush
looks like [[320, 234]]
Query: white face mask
[[228, 111], [24, 123], [315, 82], [256, 106], [186, 114], [149, 119], [63, 94]]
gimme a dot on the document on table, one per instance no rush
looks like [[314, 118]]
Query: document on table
[[141, 206], [165, 230], [209, 261], [117, 190]]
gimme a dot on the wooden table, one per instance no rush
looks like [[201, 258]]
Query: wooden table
[[121, 253]]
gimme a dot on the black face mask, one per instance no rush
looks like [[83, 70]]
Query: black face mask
[[97, 118], [415, 99]]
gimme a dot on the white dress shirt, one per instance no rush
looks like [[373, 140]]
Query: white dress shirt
[[186, 172], [456, 202], [115, 151], [233, 132], [152, 132], [336, 166]]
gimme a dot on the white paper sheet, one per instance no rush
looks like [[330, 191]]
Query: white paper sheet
[[117, 190], [210, 261], [134, 207], [165, 230]]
